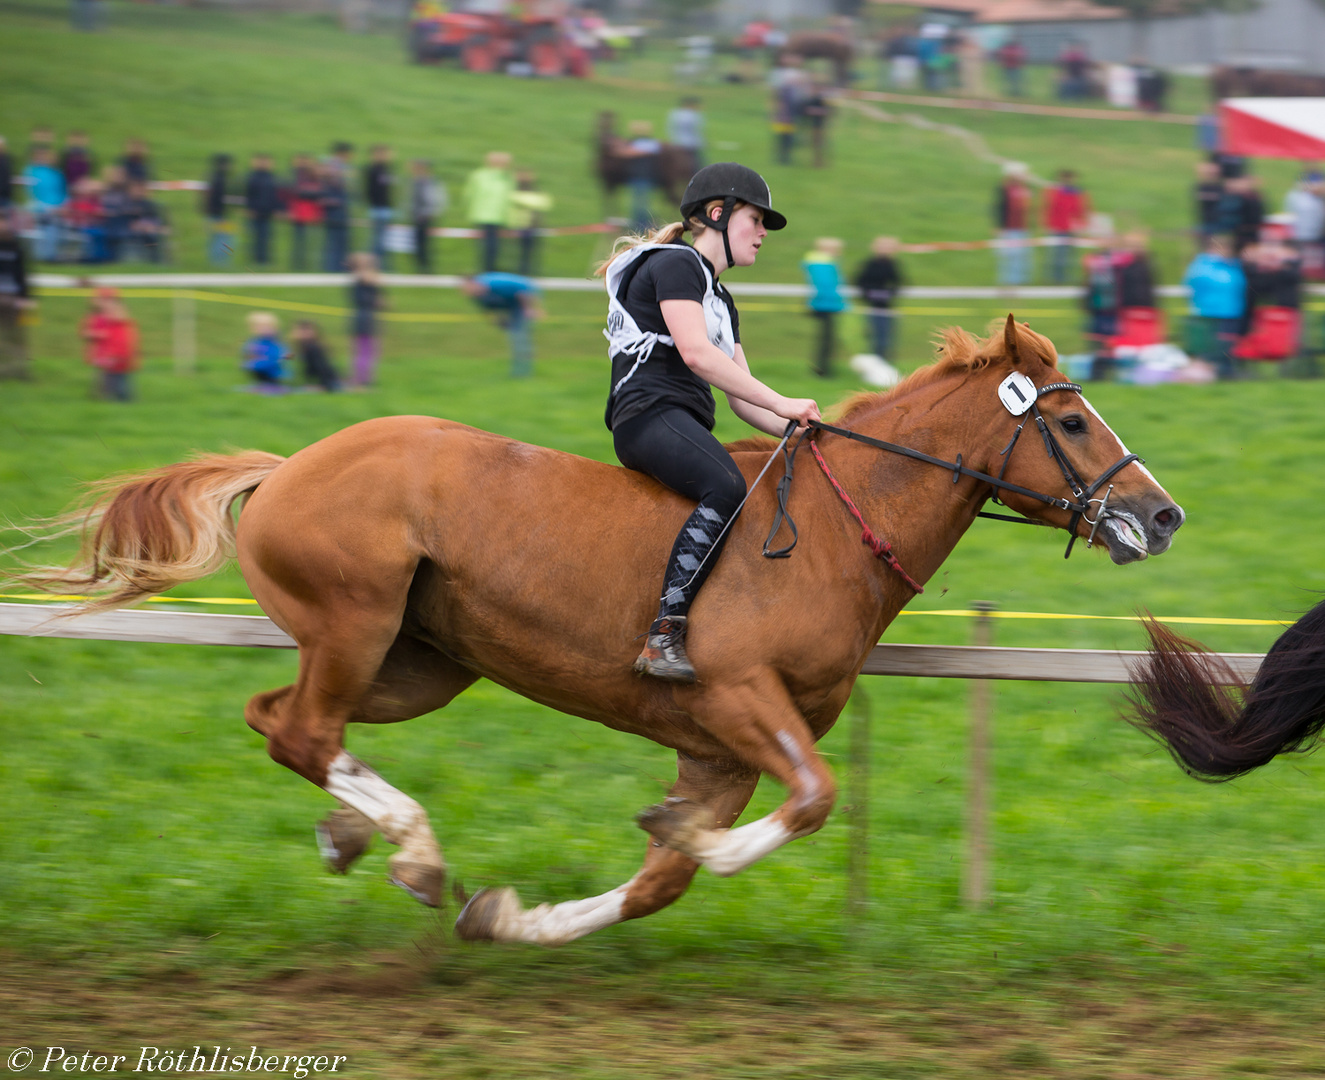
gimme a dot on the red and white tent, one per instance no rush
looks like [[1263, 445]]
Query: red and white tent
[[1292, 127]]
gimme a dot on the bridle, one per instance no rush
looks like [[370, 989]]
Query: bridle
[[1015, 392]]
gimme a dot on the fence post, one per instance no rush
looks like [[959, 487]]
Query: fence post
[[186, 332], [858, 819], [975, 889]]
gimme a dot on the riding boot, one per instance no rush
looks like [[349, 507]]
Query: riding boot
[[664, 655]]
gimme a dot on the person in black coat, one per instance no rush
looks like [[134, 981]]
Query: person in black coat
[[1136, 276], [15, 298], [215, 210], [262, 199], [317, 366], [879, 281]]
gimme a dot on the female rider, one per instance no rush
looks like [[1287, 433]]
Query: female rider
[[674, 334]]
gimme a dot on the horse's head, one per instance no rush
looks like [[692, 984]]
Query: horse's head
[[1052, 442]]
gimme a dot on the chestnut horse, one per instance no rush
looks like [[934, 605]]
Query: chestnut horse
[[410, 556]]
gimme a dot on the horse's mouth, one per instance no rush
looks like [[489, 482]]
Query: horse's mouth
[[1124, 537]]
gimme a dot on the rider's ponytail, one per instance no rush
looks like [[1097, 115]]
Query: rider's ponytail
[[666, 234]]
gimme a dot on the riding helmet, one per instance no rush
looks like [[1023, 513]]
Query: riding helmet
[[732, 183]]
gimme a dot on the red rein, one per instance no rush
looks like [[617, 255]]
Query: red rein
[[881, 548]]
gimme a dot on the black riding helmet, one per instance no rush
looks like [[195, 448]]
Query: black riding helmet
[[732, 183]]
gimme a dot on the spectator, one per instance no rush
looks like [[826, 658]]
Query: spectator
[[427, 202], [1218, 301], [76, 161], [135, 163], [1152, 87], [15, 299], [313, 359], [1011, 59], [1136, 276], [789, 88], [1273, 317], [216, 211], [365, 300], [303, 206], [114, 210], [342, 160], [46, 198], [825, 299], [879, 281], [487, 200], [334, 202], [262, 200], [6, 177], [1208, 194], [1242, 211], [112, 345], [685, 129], [1073, 65], [528, 205], [817, 110], [1012, 218], [377, 184], [645, 154], [1305, 204], [264, 354], [145, 223], [1066, 211], [514, 298], [1102, 295], [903, 63], [83, 215]]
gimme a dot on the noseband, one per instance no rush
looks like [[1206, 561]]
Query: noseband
[[1019, 400]]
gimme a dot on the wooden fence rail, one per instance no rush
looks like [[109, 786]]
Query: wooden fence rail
[[935, 661]]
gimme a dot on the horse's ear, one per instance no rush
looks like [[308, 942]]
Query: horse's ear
[[1010, 340]]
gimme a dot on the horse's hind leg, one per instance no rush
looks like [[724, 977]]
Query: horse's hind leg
[[414, 679], [344, 675], [498, 915]]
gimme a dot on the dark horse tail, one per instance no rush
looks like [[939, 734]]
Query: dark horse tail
[[147, 532], [1184, 700]]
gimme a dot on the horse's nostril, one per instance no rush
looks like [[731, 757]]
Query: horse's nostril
[[1168, 519]]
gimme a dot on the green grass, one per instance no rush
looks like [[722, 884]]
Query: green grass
[[1141, 923]]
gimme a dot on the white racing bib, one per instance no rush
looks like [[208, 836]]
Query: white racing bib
[[624, 334]]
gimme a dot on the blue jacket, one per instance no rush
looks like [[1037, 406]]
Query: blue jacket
[[1219, 288], [45, 185], [824, 278], [265, 356]]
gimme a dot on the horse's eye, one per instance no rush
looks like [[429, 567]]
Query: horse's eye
[[1073, 425]]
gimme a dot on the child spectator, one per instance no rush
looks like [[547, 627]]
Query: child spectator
[[46, 198], [1066, 211], [879, 281], [366, 299], [487, 195], [515, 300], [1012, 220], [377, 184], [825, 299], [427, 202], [15, 298], [1218, 300], [262, 199], [264, 354], [528, 205], [76, 160], [145, 223], [112, 345], [313, 358], [216, 210], [303, 207]]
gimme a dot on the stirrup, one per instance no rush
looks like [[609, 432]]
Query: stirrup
[[664, 655]]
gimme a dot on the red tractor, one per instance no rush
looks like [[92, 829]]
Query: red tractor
[[492, 42]]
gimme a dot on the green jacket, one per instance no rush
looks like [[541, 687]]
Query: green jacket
[[488, 195], [525, 206]]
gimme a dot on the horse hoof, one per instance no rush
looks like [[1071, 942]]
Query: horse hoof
[[343, 836], [484, 912], [421, 880], [675, 822]]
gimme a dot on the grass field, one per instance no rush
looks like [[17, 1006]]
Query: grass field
[[161, 885]]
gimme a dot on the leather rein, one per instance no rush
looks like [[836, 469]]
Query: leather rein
[[1083, 495]]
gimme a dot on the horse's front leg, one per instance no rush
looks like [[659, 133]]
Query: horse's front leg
[[723, 790], [757, 720]]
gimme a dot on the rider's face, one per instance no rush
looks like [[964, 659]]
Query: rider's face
[[745, 233]]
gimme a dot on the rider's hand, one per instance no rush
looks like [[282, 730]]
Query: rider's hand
[[802, 410]]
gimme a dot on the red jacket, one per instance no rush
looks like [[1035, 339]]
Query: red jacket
[[112, 344], [1066, 209]]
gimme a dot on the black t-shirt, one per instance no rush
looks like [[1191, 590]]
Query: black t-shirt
[[664, 379]]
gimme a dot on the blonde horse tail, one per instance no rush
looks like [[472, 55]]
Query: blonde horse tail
[[145, 533]]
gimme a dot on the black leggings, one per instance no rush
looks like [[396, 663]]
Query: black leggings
[[671, 445]]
